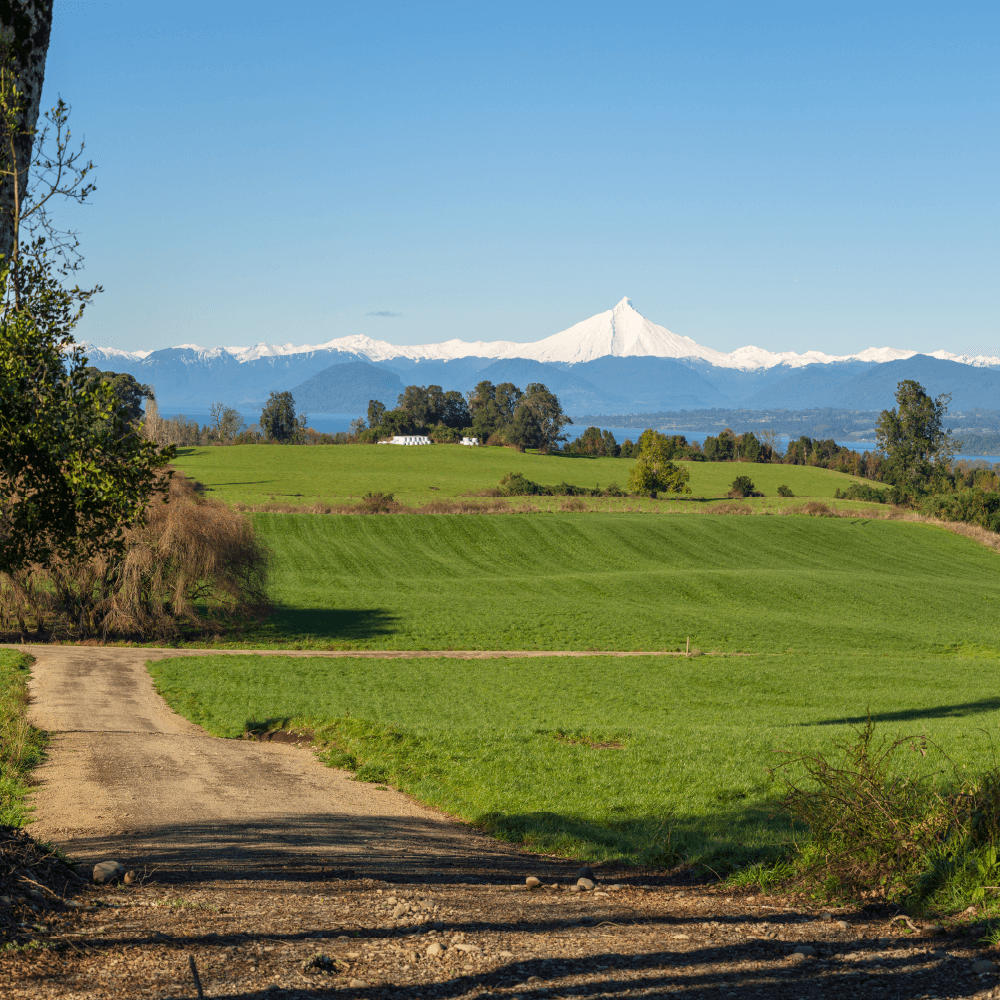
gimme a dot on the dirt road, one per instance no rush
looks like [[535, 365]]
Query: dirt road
[[127, 777], [283, 879]]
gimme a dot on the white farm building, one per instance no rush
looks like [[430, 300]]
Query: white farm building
[[408, 439]]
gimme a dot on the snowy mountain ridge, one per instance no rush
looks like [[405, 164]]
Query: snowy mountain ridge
[[618, 332]]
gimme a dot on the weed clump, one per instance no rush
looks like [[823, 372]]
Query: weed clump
[[884, 826], [378, 503]]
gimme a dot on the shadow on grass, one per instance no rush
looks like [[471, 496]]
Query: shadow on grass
[[649, 841], [915, 714], [353, 624]]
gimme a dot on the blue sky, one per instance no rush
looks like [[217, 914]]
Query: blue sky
[[792, 175]]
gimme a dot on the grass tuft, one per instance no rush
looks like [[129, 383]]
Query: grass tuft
[[21, 744]]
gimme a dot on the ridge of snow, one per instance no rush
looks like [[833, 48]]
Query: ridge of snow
[[618, 332], [113, 352]]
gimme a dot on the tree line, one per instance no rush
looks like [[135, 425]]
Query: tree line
[[503, 415]]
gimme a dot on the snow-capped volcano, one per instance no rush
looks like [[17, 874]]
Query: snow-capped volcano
[[621, 332]]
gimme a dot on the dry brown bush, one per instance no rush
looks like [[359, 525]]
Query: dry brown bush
[[816, 509], [730, 508], [573, 504], [195, 564]]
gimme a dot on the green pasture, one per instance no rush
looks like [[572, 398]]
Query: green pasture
[[629, 582], [601, 758], [258, 474]]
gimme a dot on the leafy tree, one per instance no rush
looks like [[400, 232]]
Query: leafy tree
[[721, 448], [74, 474], [376, 411], [654, 472], [742, 486], [547, 412], [420, 404], [785, 491], [127, 391], [508, 398], [652, 475], [917, 447], [397, 422], [277, 419], [455, 411], [525, 430], [594, 441], [484, 411], [432, 405]]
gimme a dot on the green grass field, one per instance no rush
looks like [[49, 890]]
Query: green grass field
[[255, 474], [629, 581], [819, 621], [508, 744]]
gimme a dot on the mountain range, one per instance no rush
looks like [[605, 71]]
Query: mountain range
[[615, 362]]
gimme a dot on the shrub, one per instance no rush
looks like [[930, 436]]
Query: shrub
[[514, 484], [882, 823], [785, 491], [817, 509], [196, 564], [378, 503], [973, 506], [742, 486], [863, 491]]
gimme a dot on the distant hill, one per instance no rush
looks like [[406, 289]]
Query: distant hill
[[347, 389]]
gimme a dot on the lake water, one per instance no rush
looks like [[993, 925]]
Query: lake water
[[332, 423]]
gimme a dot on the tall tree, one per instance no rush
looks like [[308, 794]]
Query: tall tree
[[25, 27], [277, 418], [376, 411], [917, 447], [548, 413]]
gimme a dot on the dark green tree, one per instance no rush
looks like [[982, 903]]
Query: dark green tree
[[376, 411], [129, 392], [456, 411], [484, 411], [277, 419], [525, 430], [508, 398], [918, 449], [548, 412]]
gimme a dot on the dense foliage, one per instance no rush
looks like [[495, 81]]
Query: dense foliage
[[917, 447], [493, 414], [74, 475]]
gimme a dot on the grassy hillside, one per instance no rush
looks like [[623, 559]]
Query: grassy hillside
[[342, 473], [516, 745], [821, 621], [630, 581]]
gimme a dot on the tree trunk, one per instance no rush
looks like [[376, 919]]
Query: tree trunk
[[25, 26]]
